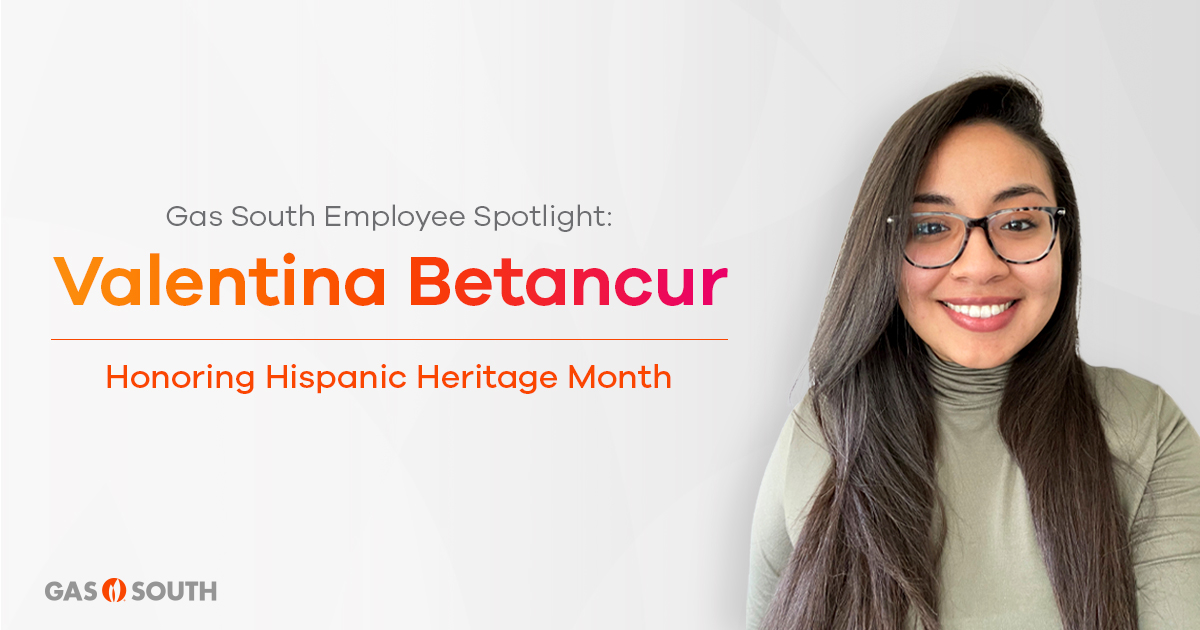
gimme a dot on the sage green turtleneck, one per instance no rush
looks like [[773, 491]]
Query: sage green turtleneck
[[992, 574]]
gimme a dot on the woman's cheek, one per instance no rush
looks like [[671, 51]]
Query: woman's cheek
[[1046, 282], [917, 285]]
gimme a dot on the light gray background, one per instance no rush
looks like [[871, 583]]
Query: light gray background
[[719, 134]]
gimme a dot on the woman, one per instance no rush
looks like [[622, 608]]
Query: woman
[[955, 464]]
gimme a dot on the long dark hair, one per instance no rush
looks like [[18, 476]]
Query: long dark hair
[[868, 555]]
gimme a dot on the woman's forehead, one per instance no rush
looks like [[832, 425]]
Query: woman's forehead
[[976, 164]]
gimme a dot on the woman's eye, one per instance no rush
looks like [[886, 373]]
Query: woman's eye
[[929, 228], [1019, 225]]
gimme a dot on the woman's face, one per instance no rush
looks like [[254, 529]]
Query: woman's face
[[975, 170]]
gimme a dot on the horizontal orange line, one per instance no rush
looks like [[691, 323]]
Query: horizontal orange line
[[395, 339]]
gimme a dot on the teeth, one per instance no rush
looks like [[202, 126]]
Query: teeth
[[980, 312]]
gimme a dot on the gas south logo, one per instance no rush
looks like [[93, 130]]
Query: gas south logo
[[113, 590]]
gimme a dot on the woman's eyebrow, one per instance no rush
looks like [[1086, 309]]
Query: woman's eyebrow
[[1017, 191], [933, 198], [1008, 193]]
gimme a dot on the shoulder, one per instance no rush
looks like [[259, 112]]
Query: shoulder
[[1118, 389], [1132, 400], [1141, 421], [802, 422], [806, 446]]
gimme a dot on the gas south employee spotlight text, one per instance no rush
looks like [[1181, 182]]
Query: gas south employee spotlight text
[[545, 216]]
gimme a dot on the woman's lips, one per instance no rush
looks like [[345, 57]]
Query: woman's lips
[[981, 324]]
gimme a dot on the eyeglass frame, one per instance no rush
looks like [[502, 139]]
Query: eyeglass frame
[[982, 222]]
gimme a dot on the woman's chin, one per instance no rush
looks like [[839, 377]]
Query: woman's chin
[[976, 358]]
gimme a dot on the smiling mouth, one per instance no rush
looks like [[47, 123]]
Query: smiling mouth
[[980, 311]]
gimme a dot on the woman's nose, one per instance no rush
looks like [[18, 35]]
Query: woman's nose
[[978, 262]]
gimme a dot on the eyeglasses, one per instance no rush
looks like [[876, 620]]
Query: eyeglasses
[[1017, 235]]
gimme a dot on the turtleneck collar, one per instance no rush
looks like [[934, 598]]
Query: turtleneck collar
[[960, 387]]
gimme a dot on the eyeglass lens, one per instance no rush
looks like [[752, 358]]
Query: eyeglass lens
[[1018, 236]]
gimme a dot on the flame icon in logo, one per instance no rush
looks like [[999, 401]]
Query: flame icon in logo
[[114, 590]]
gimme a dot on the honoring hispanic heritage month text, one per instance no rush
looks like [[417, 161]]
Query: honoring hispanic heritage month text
[[291, 377]]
